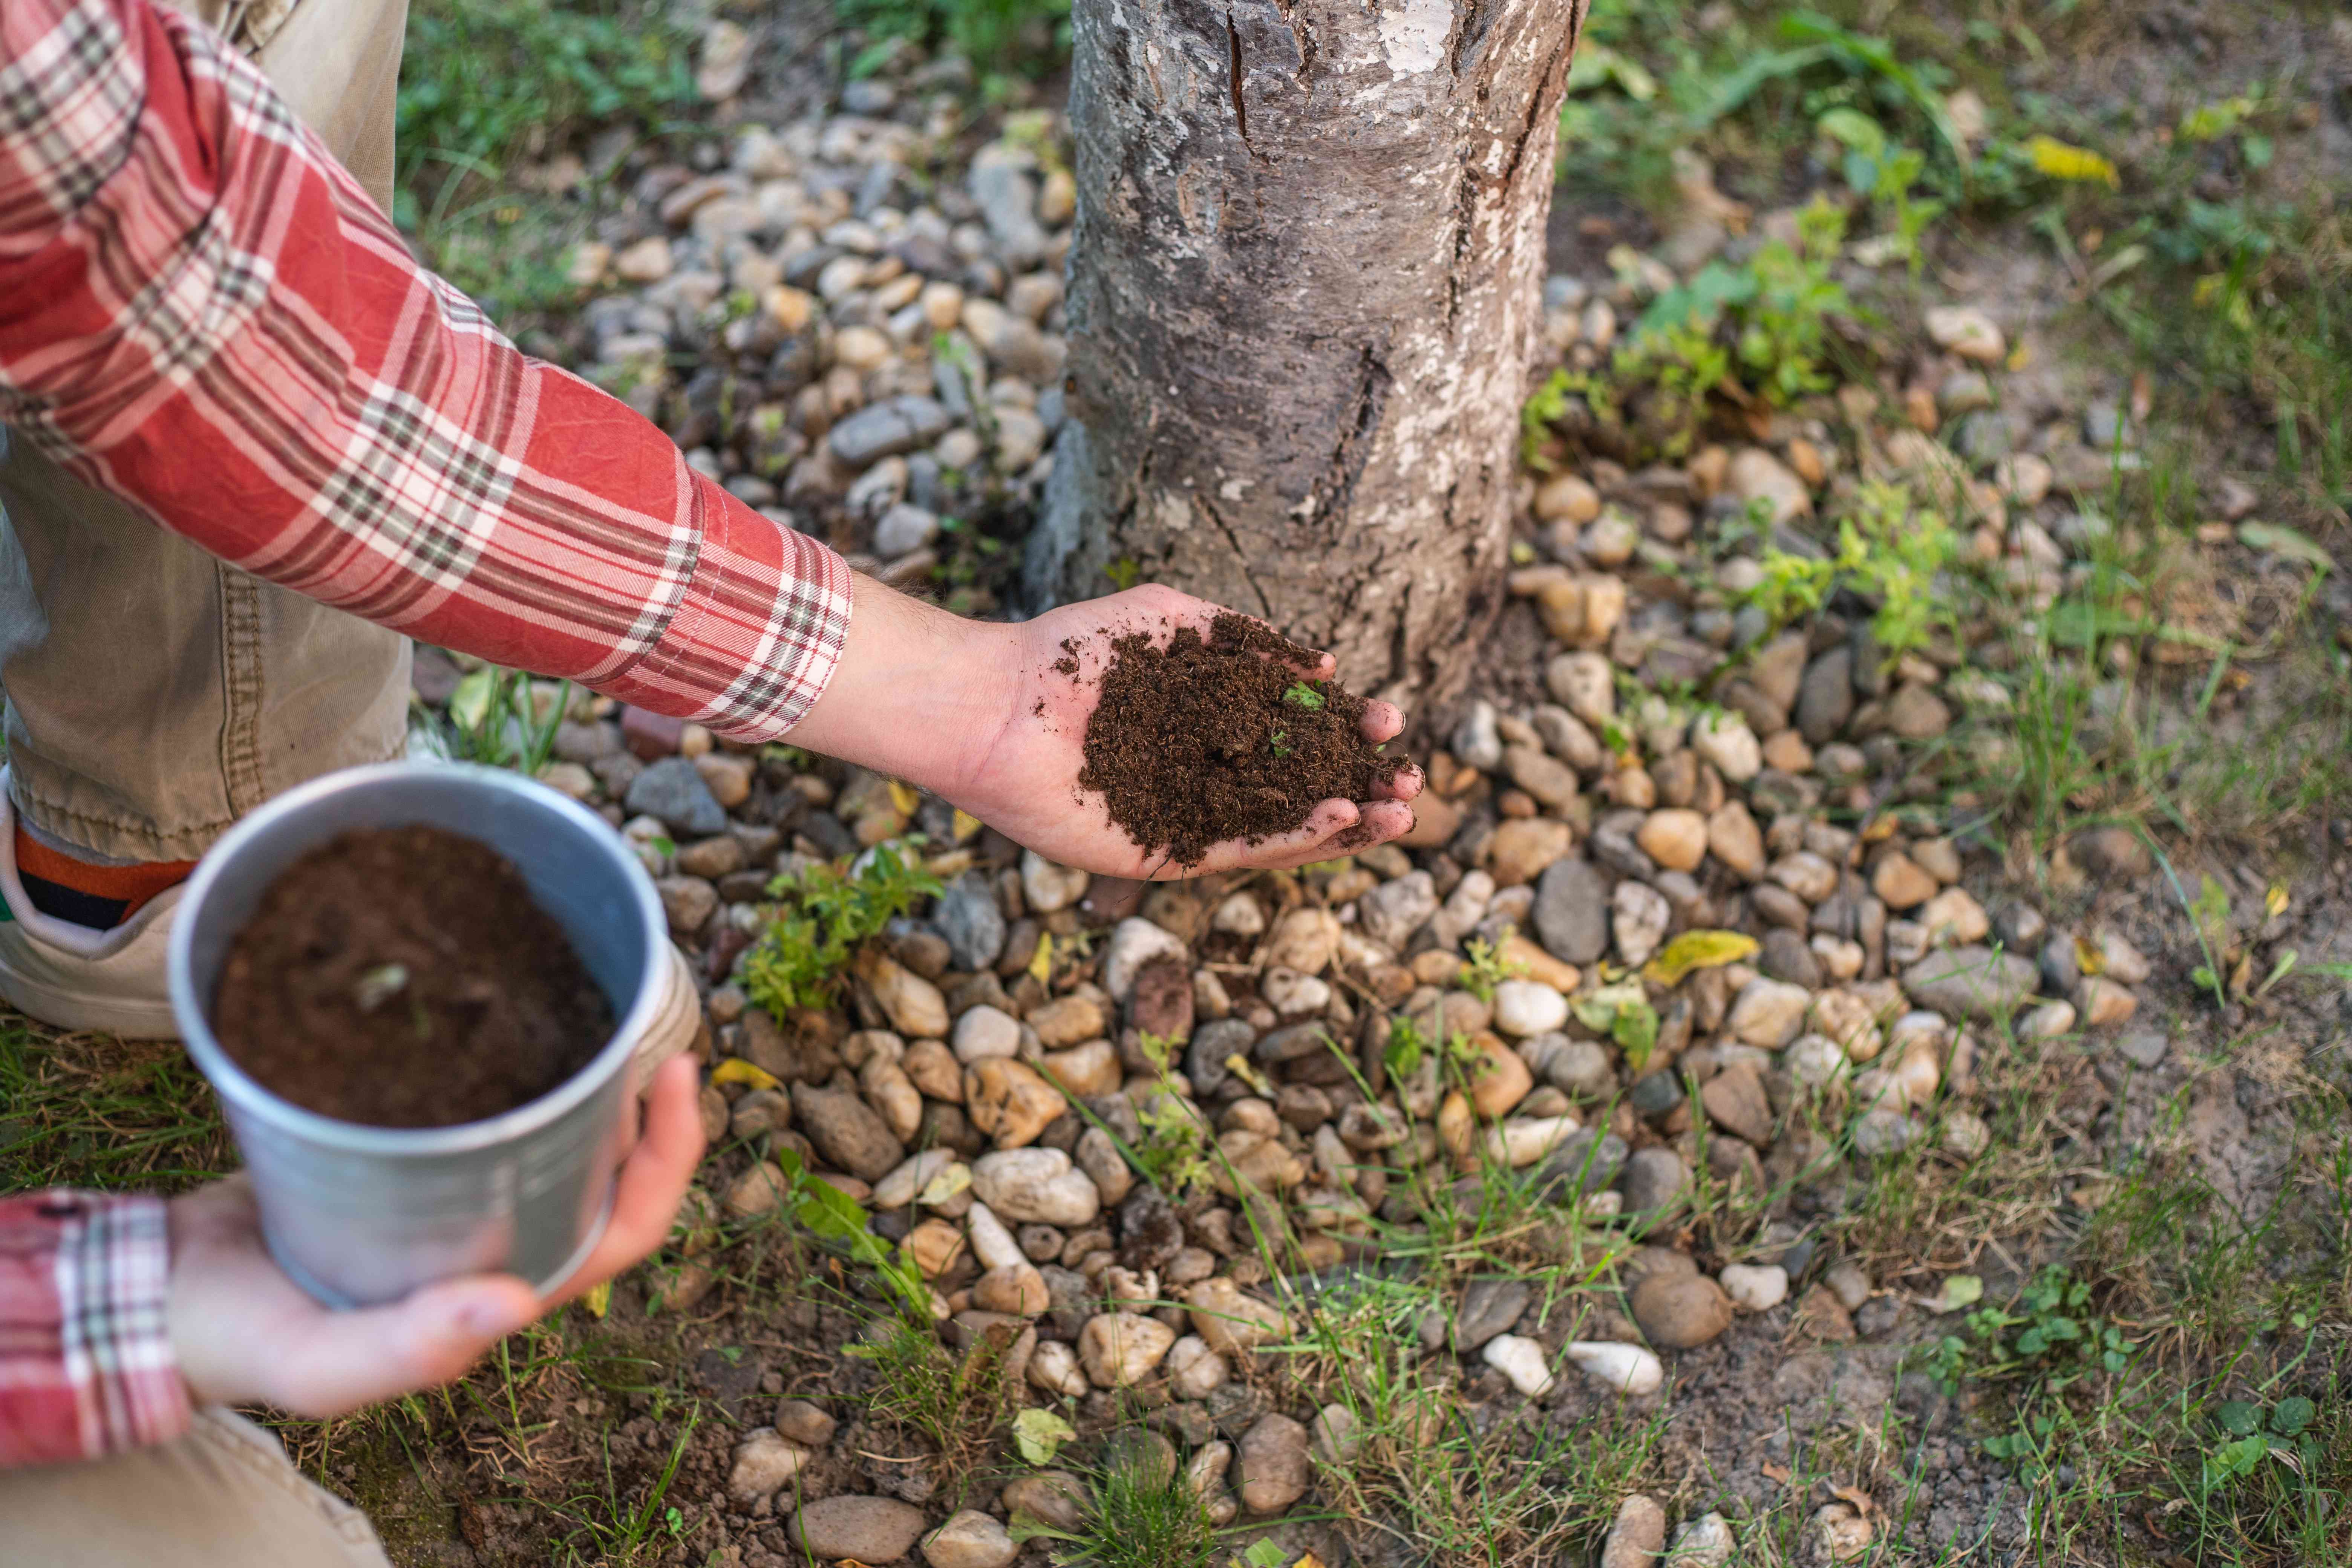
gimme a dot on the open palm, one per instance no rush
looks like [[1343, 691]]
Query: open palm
[[1025, 782]]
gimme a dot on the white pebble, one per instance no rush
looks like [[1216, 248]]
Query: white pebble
[[1525, 1008], [1628, 1369], [1522, 1361], [1756, 1288]]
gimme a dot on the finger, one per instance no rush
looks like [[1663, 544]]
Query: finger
[[1299, 847], [1382, 720], [330, 1363], [1406, 783], [653, 1180]]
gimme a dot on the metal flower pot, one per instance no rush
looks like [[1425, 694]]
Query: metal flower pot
[[359, 1215]]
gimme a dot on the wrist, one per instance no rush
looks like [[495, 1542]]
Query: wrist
[[920, 694]]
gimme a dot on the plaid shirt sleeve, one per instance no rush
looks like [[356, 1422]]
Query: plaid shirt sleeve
[[86, 1366], [202, 312]]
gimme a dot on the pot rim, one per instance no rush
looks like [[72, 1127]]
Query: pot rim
[[250, 1097]]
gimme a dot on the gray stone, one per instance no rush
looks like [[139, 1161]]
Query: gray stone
[[886, 428], [1002, 189], [1653, 1181], [2145, 1046], [866, 1528], [2060, 972], [1392, 912], [1476, 740], [1588, 1161], [1656, 1094], [1825, 701], [1571, 911], [1786, 956], [673, 792], [1970, 982], [1489, 1307], [1581, 1068], [904, 527], [1213, 1043], [968, 918]]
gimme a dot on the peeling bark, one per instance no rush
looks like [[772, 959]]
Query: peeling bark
[[1303, 302]]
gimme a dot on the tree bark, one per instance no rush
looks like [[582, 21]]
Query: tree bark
[[1304, 298]]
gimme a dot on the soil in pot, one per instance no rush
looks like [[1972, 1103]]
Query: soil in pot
[[1219, 737], [403, 977]]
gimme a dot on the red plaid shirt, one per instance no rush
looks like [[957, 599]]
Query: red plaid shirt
[[203, 313]]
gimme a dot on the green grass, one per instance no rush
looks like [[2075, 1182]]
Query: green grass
[[487, 84], [960, 1403], [82, 1111], [1142, 1517]]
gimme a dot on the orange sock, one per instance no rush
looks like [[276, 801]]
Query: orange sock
[[98, 897]]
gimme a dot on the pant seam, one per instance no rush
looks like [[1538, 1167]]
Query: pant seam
[[241, 690], [28, 795]]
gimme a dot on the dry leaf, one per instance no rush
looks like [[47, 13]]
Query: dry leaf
[[1040, 963], [1697, 950], [965, 825], [904, 798], [735, 1070], [1856, 1495]]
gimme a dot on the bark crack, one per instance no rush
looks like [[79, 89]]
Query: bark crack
[[1549, 91], [1475, 23], [1234, 76], [1336, 488], [1241, 556]]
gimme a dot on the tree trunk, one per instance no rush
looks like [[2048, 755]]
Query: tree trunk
[[1304, 298]]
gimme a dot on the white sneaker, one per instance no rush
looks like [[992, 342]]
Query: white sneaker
[[112, 982], [71, 978]]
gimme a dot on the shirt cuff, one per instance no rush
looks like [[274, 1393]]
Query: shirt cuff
[[755, 638], [85, 1361]]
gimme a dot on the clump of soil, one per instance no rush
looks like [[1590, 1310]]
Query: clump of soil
[[403, 977], [1219, 737]]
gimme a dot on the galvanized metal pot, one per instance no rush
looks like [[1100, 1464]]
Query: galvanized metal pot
[[359, 1215]]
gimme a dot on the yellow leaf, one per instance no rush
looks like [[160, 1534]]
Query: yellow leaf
[[1239, 1065], [954, 1179], [2088, 958], [735, 1070], [904, 797], [965, 825], [2065, 161], [2274, 901], [598, 1299], [1041, 964], [1697, 950]]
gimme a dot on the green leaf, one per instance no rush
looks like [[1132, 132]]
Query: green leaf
[[469, 703], [1960, 1291], [1301, 695], [1635, 1030], [1040, 1433], [2292, 1416], [1855, 129], [2239, 1417], [2281, 539], [1265, 1555]]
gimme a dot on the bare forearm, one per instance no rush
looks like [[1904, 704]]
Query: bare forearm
[[919, 694]]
